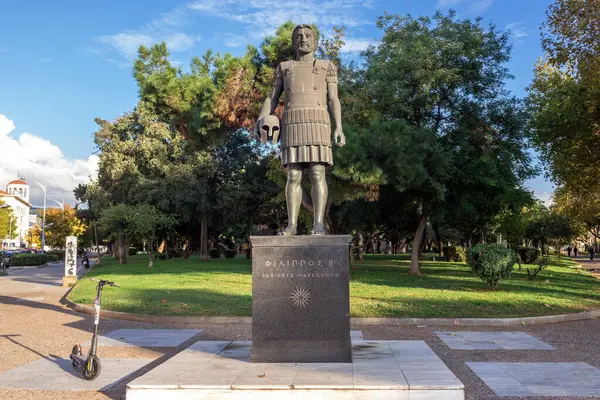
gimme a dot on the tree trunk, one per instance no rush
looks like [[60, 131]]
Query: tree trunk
[[150, 253], [416, 245], [204, 239], [361, 247], [438, 237], [96, 240], [423, 242], [122, 248]]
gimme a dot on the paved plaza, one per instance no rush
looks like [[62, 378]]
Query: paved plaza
[[539, 379], [59, 374], [146, 337], [492, 341]]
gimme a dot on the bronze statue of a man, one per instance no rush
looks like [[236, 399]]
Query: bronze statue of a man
[[310, 86]]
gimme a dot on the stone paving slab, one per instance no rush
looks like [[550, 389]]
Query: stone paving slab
[[146, 337], [492, 341], [407, 370], [539, 378], [59, 374]]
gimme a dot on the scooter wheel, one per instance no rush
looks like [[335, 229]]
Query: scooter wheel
[[91, 369], [76, 350]]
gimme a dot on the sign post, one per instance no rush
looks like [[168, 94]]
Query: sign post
[[70, 277]]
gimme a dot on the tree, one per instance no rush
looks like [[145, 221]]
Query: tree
[[59, 224], [8, 224], [118, 221], [438, 85], [144, 221], [565, 99]]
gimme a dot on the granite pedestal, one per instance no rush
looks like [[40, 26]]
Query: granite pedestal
[[300, 299]]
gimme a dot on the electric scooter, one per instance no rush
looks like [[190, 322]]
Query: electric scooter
[[90, 367]]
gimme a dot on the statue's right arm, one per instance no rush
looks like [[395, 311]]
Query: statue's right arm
[[271, 102]]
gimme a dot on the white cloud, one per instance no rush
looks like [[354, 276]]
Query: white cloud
[[36, 158], [127, 43], [474, 6], [231, 40], [479, 7], [355, 45], [517, 31], [263, 17], [166, 28], [447, 3]]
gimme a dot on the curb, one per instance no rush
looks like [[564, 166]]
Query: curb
[[548, 319]]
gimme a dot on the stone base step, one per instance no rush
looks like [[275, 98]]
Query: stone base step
[[380, 370]]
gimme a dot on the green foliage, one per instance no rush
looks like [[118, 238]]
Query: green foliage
[[542, 264], [491, 262], [454, 254], [565, 102], [230, 253], [461, 254], [53, 257], [19, 260], [8, 223], [59, 253], [132, 251], [450, 253], [215, 253], [528, 255]]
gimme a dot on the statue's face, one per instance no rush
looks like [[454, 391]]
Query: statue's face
[[305, 40]]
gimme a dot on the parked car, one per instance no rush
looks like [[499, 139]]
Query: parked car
[[4, 259]]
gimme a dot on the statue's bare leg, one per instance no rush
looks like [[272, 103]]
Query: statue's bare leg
[[319, 196], [293, 197]]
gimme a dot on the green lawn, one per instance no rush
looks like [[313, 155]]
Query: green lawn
[[379, 287]]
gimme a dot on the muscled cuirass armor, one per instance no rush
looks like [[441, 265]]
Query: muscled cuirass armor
[[305, 121]]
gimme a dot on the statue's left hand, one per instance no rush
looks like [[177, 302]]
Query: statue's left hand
[[338, 137]]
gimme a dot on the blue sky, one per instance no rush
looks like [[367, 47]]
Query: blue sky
[[64, 63]]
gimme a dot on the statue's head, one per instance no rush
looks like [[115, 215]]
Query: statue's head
[[304, 38]]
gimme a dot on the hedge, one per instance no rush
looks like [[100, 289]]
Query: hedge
[[20, 260]]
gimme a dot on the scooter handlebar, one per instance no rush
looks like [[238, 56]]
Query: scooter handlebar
[[104, 282]]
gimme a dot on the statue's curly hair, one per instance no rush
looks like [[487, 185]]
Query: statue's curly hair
[[305, 26]]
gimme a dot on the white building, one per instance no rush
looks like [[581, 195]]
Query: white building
[[16, 196]]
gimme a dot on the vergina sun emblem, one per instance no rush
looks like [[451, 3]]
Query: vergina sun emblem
[[300, 297]]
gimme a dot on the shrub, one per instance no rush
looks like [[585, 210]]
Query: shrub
[[53, 257], [529, 255], [59, 253], [132, 251], [230, 253], [215, 253], [160, 256], [449, 253], [461, 254], [491, 262], [542, 263], [19, 260]]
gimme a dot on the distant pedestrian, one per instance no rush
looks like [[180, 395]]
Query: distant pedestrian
[[569, 250], [575, 251], [592, 250]]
